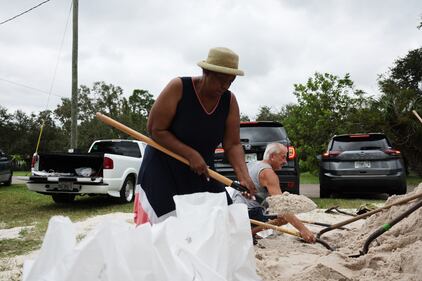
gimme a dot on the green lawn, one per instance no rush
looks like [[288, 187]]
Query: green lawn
[[20, 207]]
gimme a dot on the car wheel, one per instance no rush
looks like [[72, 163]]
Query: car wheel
[[9, 181], [401, 190], [63, 198], [128, 190], [324, 191]]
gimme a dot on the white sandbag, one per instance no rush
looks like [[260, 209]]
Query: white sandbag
[[207, 241], [112, 253], [219, 235], [242, 254], [58, 242]]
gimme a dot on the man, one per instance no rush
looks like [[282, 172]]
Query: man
[[267, 184]]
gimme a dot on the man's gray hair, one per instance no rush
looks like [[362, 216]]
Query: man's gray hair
[[274, 147]]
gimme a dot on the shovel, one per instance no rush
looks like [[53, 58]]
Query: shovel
[[365, 215], [336, 210], [288, 231], [220, 178], [385, 227], [272, 217]]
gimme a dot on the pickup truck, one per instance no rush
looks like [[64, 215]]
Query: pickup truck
[[5, 169], [110, 167]]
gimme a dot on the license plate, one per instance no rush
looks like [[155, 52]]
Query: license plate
[[362, 164], [251, 157], [66, 186]]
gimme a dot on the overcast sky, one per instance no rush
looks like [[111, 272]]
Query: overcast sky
[[142, 44]]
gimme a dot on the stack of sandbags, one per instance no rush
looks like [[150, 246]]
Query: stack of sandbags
[[208, 240]]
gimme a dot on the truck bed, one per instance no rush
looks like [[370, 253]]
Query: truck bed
[[65, 164]]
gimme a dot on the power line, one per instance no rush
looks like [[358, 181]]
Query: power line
[[31, 88], [58, 58], [12, 18]]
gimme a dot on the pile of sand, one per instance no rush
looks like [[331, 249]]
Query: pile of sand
[[290, 203], [395, 255]]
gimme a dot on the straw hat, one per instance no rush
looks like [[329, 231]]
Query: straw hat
[[222, 60]]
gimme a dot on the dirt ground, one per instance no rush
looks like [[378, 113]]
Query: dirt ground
[[395, 255]]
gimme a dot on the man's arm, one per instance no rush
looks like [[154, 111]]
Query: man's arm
[[269, 179]]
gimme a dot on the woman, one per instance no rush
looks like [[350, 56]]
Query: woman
[[191, 116]]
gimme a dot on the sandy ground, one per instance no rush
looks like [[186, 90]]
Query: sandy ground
[[395, 255]]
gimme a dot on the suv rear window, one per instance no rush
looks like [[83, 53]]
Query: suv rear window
[[120, 148], [262, 134], [365, 142]]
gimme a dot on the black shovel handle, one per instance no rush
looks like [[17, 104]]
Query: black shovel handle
[[239, 187]]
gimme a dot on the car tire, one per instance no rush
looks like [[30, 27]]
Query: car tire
[[63, 198], [9, 181], [127, 192], [324, 190], [401, 190]]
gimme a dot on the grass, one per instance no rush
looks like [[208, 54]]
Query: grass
[[21, 173], [345, 203], [21, 207], [308, 178]]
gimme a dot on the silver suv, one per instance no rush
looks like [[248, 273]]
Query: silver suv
[[361, 163]]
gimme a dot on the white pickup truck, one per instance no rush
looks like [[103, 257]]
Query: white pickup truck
[[110, 167]]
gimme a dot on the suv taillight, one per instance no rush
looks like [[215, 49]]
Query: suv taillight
[[34, 160], [219, 150], [330, 154], [392, 151], [292, 152], [108, 163]]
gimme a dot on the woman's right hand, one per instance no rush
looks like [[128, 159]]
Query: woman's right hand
[[197, 164]]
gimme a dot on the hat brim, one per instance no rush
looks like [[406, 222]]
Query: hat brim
[[220, 69]]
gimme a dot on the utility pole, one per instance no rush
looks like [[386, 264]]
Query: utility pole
[[74, 103]]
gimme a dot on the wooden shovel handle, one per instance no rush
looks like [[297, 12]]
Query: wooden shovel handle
[[288, 231], [277, 228], [119, 126], [417, 115], [343, 223]]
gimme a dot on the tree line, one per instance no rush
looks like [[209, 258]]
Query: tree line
[[20, 132], [326, 105]]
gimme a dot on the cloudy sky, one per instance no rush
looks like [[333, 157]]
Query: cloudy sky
[[142, 44]]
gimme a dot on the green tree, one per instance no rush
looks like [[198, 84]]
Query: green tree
[[401, 89], [135, 110], [107, 99], [244, 118], [327, 105], [266, 113]]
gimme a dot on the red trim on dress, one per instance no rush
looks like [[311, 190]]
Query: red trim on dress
[[203, 107], [140, 216]]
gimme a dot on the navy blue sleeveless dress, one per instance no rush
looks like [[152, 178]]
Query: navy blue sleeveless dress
[[161, 176]]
